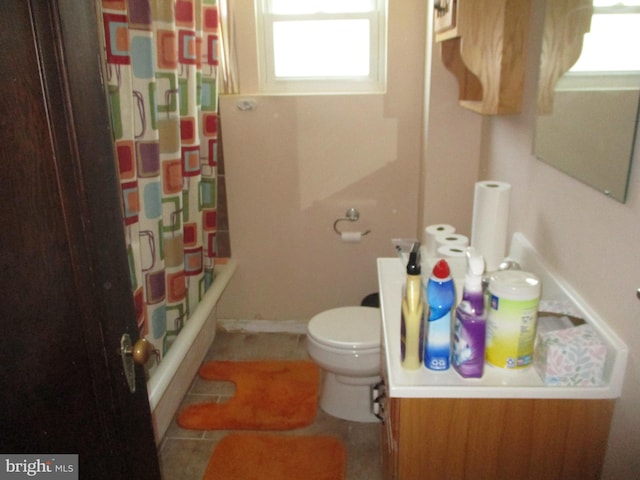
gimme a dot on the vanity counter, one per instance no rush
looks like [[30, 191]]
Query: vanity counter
[[508, 424], [496, 382]]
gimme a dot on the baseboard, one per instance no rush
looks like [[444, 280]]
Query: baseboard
[[264, 326]]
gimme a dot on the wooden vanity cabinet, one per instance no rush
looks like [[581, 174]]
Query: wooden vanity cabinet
[[508, 425], [483, 44], [494, 438]]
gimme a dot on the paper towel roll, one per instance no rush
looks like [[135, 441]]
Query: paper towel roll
[[430, 233], [351, 237], [456, 258], [443, 239], [489, 223]]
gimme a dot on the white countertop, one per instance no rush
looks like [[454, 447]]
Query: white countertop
[[496, 382]]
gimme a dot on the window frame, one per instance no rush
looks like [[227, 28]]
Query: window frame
[[599, 79], [375, 82]]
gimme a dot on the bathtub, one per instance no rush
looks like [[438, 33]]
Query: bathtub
[[172, 378]]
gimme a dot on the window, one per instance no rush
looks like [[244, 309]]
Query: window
[[609, 55], [321, 46]]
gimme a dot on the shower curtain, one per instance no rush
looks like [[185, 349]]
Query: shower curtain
[[161, 73]]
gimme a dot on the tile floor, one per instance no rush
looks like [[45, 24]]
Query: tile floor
[[184, 454]]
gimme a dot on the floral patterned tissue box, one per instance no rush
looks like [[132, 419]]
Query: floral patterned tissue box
[[571, 357]]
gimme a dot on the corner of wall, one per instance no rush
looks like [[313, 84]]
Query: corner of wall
[[451, 148]]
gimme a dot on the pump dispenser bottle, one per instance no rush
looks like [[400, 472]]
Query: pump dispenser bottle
[[440, 297], [411, 315], [471, 321]]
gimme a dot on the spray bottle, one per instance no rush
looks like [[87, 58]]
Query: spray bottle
[[440, 297], [411, 325], [471, 321]]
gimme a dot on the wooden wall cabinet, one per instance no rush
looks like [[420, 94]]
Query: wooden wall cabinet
[[483, 45], [494, 438]]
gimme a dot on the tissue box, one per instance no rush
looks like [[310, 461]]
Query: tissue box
[[572, 356]]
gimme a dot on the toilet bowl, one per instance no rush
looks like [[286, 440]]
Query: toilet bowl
[[345, 343]]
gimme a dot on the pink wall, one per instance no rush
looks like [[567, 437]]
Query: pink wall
[[589, 239], [281, 207], [297, 163]]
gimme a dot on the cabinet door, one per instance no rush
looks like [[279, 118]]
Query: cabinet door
[[492, 439], [389, 438]]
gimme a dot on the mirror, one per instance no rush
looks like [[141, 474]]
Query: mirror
[[589, 91]]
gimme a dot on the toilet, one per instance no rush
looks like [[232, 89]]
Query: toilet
[[345, 343]]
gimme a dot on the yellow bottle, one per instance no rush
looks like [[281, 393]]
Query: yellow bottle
[[411, 318]]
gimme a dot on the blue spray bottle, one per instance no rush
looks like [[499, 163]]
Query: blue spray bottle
[[440, 297]]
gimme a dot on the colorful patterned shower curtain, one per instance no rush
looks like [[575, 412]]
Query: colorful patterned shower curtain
[[162, 79]]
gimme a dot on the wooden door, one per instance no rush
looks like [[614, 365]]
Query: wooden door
[[64, 286]]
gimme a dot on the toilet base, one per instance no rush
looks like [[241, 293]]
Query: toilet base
[[348, 401]]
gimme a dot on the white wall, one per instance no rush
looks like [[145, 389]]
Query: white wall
[[591, 240]]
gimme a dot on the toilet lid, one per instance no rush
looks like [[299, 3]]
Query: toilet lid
[[347, 327]]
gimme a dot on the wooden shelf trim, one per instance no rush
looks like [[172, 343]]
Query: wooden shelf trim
[[565, 24], [486, 54]]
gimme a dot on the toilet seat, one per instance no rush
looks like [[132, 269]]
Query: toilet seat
[[347, 328]]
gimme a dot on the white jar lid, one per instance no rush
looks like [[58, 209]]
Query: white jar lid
[[514, 285]]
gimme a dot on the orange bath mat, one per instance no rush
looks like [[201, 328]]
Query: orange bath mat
[[270, 395], [277, 457]]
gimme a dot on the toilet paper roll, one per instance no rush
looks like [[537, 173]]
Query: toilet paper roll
[[489, 223], [351, 237], [430, 233], [451, 251], [456, 258], [443, 239]]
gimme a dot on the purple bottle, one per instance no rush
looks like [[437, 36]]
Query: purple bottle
[[471, 322]]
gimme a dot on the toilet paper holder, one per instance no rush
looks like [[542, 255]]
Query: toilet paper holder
[[352, 215]]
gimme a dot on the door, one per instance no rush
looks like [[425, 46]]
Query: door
[[64, 287]]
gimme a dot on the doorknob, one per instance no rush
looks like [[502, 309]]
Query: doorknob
[[142, 351], [138, 353]]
